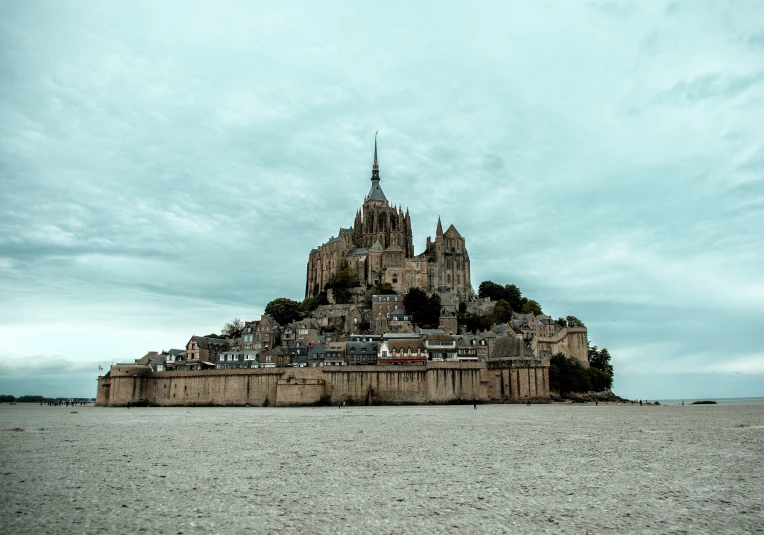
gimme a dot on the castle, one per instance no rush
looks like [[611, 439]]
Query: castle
[[370, 352], [380, 248]]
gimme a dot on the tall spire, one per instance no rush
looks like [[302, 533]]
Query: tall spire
[[375, 193], [439, 230], [375, 166]]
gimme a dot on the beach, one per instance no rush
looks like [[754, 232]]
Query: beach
[[550, 468]]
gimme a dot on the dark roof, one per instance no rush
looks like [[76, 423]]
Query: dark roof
[[316, 351], [204, 342], [363, 348], [358, 250], [511, 347], [376, 193]]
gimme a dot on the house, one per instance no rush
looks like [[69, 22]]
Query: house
[[335, 354], [267, 333], [266, 359], [316, 355], [298, 353], [361, 352], [173, 358], [306, 330], [440, 347], [232, 360], [401, 351], [202, 352], [248, 334]]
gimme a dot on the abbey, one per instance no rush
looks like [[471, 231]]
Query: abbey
[[380, 247]]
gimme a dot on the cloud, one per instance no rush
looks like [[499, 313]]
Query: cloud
[[710, 86], [161, 174]]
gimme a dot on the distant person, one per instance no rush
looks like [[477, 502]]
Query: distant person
[[474, 406], [640, 402]]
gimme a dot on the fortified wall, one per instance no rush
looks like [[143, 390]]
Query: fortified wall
[[436, 383]]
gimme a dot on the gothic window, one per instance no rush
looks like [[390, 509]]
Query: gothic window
[[395, 278]]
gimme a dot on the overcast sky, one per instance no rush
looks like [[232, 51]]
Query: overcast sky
[[167, 166]]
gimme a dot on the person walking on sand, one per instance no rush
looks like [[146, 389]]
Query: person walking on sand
[[474, 406]]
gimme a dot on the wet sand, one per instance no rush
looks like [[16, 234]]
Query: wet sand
[[442, 469]]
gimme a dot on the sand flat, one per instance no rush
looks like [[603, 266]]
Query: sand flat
[[441, 469]]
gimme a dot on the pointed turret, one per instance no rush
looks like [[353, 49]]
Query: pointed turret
[[439, 231]]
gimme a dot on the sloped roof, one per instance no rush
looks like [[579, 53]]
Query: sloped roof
[[204, 343], [377, 246], [453, 232], [511, 347], [376, 193], [394, 248], [405, 344]]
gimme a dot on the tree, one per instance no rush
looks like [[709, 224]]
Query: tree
[[562, 322], [600, 359], [531, 307], [233, 328], [378, 289], [567, 375], [283, 310], [514, 297], [501, 312], [342, 281], [509, 293], [573, 321], [426, 310], [491, 289], [312, 303]]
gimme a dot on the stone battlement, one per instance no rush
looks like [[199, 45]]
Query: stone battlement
[[436, 382]]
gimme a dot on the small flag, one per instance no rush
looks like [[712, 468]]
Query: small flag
[[100, 368]]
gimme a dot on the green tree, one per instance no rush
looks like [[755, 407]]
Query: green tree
[[283, 310], [426, 310], [573, 321], [342, 281], [312, 303], [567, 375], [514, 297], [531, 307], [600, 359], [378, 289], [501, 312], [233, 328], [491, 289]]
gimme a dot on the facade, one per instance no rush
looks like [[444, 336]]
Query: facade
[[202, 352], [380, 247]]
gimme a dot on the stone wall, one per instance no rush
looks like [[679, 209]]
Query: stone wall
[[439, 383]]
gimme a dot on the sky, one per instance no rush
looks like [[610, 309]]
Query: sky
[[167, 166]]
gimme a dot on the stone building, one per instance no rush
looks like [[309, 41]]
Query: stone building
[[202, 352], [380, 247]]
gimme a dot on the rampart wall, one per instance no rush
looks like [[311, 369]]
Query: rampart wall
[[437, 383]]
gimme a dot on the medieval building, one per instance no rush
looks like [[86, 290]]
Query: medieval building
[[380, 248]]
